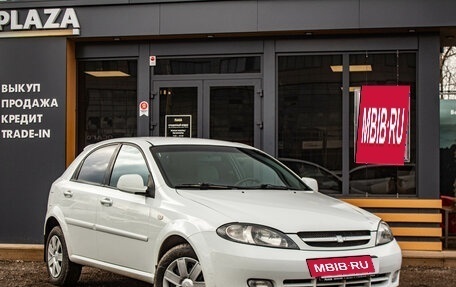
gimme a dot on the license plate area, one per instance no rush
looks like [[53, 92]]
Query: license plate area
[[339, 267]]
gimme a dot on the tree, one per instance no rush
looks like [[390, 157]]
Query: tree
[[448, 73]]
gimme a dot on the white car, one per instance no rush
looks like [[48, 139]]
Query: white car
[[196, 212]]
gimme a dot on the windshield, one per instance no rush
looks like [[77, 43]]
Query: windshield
[[220, 167]]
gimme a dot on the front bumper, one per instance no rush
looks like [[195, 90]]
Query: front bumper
[[228, 264]]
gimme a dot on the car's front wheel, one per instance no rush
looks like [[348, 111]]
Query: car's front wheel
[[61, 270], [179, 267]]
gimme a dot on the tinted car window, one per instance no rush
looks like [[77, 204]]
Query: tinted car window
[[95, 165], [232, 167], [129, 161]]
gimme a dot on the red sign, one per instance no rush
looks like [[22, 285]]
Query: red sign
[[341, 266], [144, 108], [152, 61], [382, 124], [144, 105]]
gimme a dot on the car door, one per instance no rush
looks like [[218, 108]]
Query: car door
[[79, 197], [125, 230]]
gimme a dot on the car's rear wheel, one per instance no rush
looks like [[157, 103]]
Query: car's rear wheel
[[179, 267], [60, 269]]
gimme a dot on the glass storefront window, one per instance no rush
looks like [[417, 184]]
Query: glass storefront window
[[310, 118], [448, 123], [232, 113], [384, 69], [216, 65], [107, 96], [448, 147]]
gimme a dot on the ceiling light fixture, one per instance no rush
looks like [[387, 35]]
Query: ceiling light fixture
[[353, 68], [106, 74]]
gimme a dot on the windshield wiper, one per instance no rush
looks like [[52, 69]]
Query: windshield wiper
[[204, 185], [271, 186]]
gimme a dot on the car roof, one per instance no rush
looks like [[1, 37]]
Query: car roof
[[161, 141]]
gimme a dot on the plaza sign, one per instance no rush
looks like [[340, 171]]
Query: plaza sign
[[382, 125], [34, 23]]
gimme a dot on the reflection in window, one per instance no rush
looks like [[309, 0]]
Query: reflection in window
[[448, 147], [129, 161], [310, 111], [397, 68], [232, 113], [448, 122], [381, 179], [107, 96], [95, 165], [328, 182]]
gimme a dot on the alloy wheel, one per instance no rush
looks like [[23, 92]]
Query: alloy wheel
[[55, 256], [184, 272]]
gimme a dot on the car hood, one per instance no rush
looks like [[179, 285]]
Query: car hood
[[288, 211]]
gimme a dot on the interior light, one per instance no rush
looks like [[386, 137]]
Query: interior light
[[354, 89], [100, 74], [353, 68]]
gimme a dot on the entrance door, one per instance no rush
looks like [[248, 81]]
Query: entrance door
[[219, 109], [176, 98], [233, 110]]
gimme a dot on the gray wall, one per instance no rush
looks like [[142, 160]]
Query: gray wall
[[428, 118], [29, 165], [124, 18]]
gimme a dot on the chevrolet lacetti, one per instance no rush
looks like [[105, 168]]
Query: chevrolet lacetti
[[197, 212]]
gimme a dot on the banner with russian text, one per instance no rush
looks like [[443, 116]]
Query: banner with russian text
[[383, 125]]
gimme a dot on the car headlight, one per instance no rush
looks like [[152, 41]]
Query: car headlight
[[256, 235], [384, 233]]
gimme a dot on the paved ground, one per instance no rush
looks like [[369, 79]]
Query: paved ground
[[33, 274]]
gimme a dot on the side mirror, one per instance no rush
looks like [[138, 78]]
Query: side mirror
[[311, 182], [132, 183]]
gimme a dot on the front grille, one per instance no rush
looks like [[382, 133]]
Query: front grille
[[336, 238], [377, 280]]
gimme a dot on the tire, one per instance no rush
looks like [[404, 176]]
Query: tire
[[179, 267], [61, 270]]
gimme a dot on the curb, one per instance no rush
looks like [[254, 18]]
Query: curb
[[24, 252], [446, 258]]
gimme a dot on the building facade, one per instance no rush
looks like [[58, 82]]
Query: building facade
[[283, 76]]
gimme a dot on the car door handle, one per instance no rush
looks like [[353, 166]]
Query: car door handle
[[106, 202], [68, 193]]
